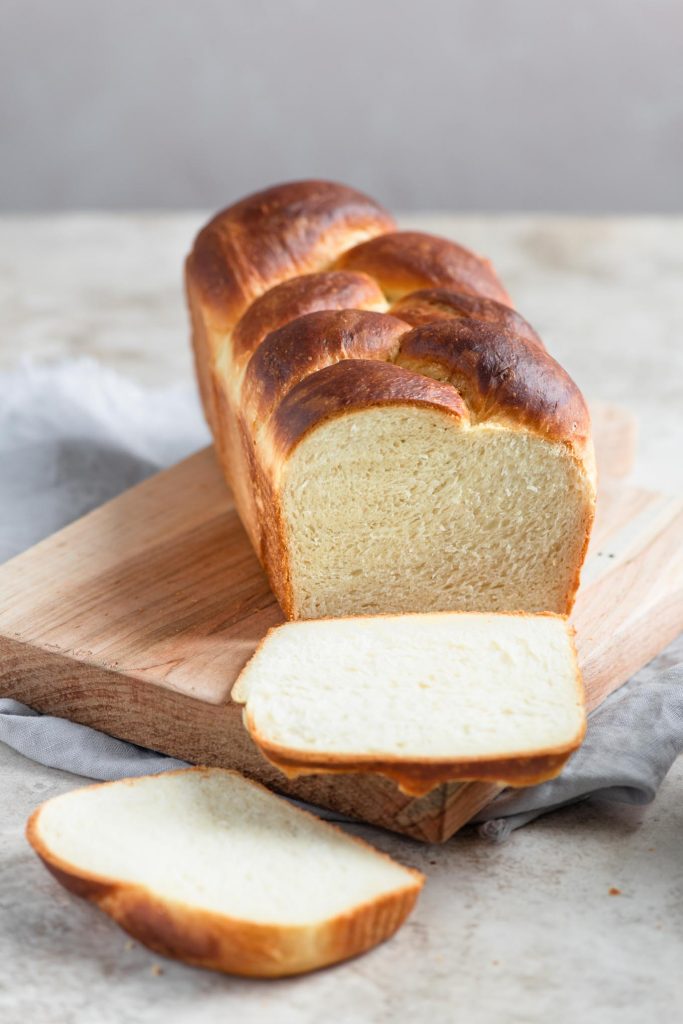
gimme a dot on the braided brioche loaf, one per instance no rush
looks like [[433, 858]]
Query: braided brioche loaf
[[396, 436]]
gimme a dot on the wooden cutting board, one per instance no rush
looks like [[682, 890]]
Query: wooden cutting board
[[137, 619]]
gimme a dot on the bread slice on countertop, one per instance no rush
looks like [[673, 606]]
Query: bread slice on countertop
[[422, 699], [210, 868]]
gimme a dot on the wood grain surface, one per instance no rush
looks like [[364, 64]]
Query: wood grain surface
[[137, 619]]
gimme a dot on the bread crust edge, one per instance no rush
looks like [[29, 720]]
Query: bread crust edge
[[204, 938]]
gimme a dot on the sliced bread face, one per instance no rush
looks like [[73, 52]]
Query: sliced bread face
[[406, 509], [207, 867], [422, 699]]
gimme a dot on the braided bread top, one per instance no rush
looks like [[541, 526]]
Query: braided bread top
[[322, 306], [275, 235]]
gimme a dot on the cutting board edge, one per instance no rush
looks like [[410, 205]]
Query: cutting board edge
[[26, 687]]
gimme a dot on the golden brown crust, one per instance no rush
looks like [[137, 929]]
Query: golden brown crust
[[290, 229], [311, 343], [334, 289], [503, 378], [273, 549], [404, 261], [203, 346], [431, 304], [417, 778], [236, 946]]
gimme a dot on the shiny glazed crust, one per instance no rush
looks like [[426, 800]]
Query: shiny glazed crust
[[235, 946], [297, 282], [405, 261], [432, 304]]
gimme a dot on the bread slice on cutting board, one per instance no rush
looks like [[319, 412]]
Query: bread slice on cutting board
[[422, 699], [207, 867]]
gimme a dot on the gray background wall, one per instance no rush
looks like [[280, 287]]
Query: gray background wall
[[460, 104]]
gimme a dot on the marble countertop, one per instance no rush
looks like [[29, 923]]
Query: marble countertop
[[524, 931]]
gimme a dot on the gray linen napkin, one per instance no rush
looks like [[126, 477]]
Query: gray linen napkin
[[631, 742], [58, 743], [74, 435]]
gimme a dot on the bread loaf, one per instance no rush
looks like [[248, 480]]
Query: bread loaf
[[396, 436], [421, 699], [206, 867]]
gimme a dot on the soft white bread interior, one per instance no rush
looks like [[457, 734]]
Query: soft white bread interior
[[423, 699], [393, 508], [207, 867]]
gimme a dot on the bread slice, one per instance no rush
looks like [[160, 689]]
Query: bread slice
[[207, 867], [422, 699]]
